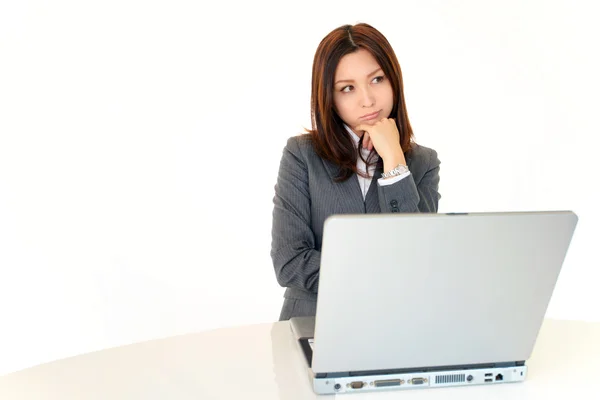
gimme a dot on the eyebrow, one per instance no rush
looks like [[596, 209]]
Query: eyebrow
[[350, 80]]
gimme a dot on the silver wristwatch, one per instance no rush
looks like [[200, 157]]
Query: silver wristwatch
[[399, 170]]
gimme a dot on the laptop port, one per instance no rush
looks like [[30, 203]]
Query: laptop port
[[486, 375], [499, 377], [418, 381], [357, 385], [387, 382], [489, 380]]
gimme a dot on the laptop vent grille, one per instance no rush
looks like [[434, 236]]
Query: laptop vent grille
[[450, 378]]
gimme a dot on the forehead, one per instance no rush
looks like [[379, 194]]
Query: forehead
[[356, 65]]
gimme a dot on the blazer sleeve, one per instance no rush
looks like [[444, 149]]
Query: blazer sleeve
[[295, 259], [410, 196]]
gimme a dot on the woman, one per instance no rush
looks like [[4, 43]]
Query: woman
[[357, 102]]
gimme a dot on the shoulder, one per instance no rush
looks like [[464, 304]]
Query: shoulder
[[300, 146], [422, 157], [300, 141]]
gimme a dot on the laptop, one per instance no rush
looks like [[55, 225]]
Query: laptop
[[413, 301]]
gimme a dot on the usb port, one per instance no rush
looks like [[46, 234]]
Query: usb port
[[489, 380], [488, 375]]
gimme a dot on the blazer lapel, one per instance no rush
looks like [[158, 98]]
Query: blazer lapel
[[349, 193], [372, 197]]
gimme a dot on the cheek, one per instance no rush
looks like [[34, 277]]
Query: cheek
[[343, 107], [390, 94]]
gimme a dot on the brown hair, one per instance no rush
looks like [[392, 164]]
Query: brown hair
[[329, 136]]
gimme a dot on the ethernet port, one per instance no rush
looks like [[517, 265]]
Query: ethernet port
[[499, 377]]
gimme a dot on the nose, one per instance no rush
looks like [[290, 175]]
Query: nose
[[367, 98]]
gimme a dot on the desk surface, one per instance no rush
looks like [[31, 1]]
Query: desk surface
[[263, 362]]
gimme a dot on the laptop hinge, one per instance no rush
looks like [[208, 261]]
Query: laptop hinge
[[421, 369]]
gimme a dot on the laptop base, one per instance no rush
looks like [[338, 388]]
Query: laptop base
[[303, 329], [371, 383]]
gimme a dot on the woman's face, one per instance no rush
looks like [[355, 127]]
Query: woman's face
[[362, 94]]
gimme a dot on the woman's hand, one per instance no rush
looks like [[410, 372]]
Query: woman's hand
[[385, 138]]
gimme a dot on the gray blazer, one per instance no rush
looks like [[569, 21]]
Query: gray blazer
[[306, 194]]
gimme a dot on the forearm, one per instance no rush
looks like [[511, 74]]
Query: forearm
[[297, 267], [401, 196], [293, 248]]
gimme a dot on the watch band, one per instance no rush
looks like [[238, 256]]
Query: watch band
[[399, 170]]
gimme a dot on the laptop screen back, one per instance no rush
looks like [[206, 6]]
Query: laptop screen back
[[423, 290]]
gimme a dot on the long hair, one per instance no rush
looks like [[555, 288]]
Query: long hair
[[329, 136]]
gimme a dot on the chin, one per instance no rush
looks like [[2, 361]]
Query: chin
[[369, 122]]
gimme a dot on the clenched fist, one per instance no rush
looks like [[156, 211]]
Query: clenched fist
[[385, 138]]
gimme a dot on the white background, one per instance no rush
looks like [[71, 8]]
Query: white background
[[140, 142]]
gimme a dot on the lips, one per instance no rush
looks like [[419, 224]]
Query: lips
[[373, 115]]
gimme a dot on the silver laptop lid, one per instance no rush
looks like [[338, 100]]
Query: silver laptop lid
[[424, 290]]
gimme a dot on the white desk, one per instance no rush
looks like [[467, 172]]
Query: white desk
[[263, 362]]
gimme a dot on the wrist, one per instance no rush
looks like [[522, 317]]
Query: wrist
[[393, 161]]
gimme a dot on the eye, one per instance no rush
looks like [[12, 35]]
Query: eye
[[347, 89], [378, 79]]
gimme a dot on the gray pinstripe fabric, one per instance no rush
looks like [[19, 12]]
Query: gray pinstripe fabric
[[305, 195]]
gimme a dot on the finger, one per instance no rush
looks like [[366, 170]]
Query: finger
[[369, 145], [366, 140]]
